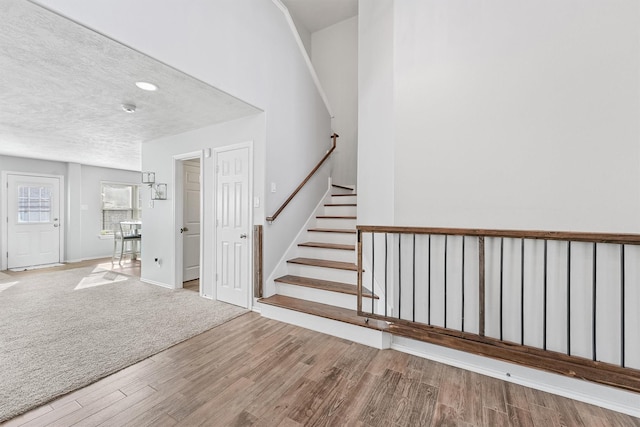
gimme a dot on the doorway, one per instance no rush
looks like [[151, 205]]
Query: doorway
[[191, 220], [33, 211]]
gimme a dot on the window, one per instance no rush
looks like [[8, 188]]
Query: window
[[34, 204], [120, 202]]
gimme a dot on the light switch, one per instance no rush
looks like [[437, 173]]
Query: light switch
[[273, 187], [256, 202]]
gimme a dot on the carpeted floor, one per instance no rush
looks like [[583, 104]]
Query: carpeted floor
[[62, 330]]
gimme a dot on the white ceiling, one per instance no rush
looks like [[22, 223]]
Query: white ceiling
[[318, 14], [62, 86]]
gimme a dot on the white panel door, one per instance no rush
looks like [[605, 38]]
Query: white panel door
[[191, 221], [33, 231], [232, 226]]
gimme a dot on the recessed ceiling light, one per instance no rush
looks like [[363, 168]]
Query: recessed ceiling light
[[129, 108], [147, 86]]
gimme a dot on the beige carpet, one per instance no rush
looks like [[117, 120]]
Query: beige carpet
[[63, 330]]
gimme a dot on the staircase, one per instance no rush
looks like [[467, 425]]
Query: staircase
[[320, 287]]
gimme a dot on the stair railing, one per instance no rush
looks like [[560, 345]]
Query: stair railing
[[564, 302], [271, 218]]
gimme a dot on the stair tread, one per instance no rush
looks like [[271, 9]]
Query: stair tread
[[341, 204], [333, 230], [340, 265], [324, 310], [343, 195], [327, 285], [328, 246], [336, 217]]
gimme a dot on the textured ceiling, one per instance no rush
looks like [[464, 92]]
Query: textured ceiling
[[62, 86], [318, 14]]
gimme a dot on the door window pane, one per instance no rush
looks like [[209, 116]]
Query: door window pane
[[34, 204]]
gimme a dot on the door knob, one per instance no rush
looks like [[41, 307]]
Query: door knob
[[183, 229], [56, 225], [243, 236]]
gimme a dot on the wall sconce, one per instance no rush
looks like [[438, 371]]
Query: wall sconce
[[148, 177], [159, 192]]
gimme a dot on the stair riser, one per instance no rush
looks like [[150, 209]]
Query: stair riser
[[336, 190], [366, 336], [327, 254], [344, 199], [340, 210], [323, 273], [340, 238], [318, 295], [336, 223]]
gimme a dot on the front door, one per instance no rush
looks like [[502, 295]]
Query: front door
[[232, 226], [191, 220], [33, 223]]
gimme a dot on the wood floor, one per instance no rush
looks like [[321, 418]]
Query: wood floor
[[192, 285], [256, 371]]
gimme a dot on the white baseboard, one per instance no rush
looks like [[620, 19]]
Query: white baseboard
[[87, 258], [584, 391], [153, 282]]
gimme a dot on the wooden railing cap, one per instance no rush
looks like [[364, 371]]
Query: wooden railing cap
[[574, 236]]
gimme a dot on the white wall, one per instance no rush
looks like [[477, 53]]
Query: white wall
[[335, 59], [82, 190], [92, 246], [376, 172], [517, 114], [507, 114], [158, 156], [304, 33], [243, 47]]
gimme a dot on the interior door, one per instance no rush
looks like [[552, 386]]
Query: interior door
[[232, 226], [191, 220], [33, 223]]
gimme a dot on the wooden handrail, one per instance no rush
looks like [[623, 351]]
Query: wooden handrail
[[617, 238], [286, 202]]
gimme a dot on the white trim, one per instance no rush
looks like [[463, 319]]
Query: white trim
[[153, 282], [304, 53], [216, 151], [281, 266], [4, 213], [107, 257], [359, 334], [584, 391], [178, 211]]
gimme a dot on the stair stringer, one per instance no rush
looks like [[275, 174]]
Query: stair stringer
[[281, 268]]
